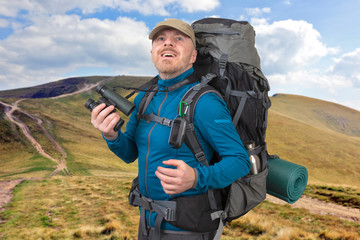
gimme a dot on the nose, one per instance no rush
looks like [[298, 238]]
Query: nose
[[168, 42]]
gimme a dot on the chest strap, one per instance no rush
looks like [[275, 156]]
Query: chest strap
[[154, 118]]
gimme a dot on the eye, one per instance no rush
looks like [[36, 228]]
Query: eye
[[179, 38], [160, 38]]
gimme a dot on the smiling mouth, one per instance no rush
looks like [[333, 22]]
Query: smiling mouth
[[168, 55]]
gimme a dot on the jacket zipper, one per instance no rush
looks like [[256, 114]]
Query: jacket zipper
[[148, 142], [148, 153]]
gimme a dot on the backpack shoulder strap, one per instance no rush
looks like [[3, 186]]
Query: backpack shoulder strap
[[151, 87], [190, 99]]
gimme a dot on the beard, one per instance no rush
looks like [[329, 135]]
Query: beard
[[169, 68], [173, 66]]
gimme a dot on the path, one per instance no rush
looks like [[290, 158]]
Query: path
[[320, 207], [6, 187], [9, 112]]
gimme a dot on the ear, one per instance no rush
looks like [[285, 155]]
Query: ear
[[193, 56], [151, 56]]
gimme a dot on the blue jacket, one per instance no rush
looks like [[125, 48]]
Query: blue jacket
[[148, 142]]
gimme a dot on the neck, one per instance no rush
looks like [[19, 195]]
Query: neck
[[176, 79]]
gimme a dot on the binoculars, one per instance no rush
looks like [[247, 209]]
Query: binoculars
[[110, 97]]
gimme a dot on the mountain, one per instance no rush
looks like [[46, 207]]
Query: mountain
[[321, 114], [322, 136], [51, 89]]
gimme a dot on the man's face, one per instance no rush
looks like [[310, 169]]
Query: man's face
[[172, 53]]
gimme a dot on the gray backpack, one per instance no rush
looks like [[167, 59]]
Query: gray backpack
[[230, 64]]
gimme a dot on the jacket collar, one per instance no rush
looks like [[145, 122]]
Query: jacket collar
[[169, 82]]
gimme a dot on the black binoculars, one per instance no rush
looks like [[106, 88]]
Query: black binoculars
[[110, 97]]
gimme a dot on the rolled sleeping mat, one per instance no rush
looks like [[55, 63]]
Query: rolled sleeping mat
[[286, 180]]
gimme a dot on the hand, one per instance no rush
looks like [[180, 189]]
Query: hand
[[177, 180], [104, 122]]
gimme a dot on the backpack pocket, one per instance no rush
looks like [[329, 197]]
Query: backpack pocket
[[246, 193], [193, 213]]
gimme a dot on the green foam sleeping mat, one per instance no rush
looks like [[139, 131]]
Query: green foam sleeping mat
[[286, 180]]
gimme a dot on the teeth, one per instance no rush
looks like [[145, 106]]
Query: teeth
[[168, 55]]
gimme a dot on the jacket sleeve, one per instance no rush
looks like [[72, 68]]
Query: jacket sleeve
[[124, 146], [213, 123]]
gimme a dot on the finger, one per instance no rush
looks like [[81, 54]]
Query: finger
[[169, 189], [174, 162], [95, 112], [98, 120], [105, 112], [110, 122], [167, 179], [168, 171]]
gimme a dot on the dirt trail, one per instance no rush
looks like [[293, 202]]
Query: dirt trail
[[9, 112], [6, 187], [320, 207], [61, 163]]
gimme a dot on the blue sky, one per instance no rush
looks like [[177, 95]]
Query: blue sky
[[307, 47]]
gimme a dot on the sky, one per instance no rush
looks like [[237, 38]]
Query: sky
[[307, 47]]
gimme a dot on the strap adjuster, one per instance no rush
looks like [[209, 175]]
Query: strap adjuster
[[170, 214], [167, 209], [200, 156], [166, 122]]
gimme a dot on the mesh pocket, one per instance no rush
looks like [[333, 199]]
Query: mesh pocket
[[246, 193]]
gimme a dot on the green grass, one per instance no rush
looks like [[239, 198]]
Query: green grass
[[330, 157], [65, 207], [345, 196], [317, 113], [90, 207]]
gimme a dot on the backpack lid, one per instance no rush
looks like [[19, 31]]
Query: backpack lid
[[224, 36]]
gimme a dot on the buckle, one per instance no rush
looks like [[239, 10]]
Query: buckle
[[200, 156], [223, 60], [170, 215], [166, 209], [166, 122]]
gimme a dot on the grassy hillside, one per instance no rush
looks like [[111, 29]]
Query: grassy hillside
[[317, 113], [300, 136], [68, 121], [92, 203], [299, 132]]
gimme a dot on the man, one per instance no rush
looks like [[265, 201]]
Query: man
[[165, 173]]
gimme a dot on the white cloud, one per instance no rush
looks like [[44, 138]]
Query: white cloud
[[199, 5], [288, 45], [256, 12], [287, 2], [147, 7], [49, 49], [4, 23], [348, 65], [47, 44], [309, 79], [291, 52]]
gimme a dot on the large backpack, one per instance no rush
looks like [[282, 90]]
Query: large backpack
[[227, 64], [228, 59]]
